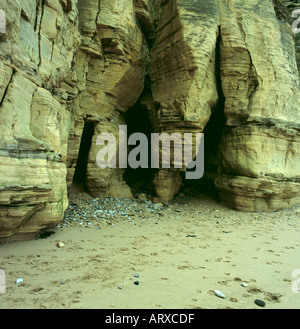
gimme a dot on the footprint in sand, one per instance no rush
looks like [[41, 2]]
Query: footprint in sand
[[272, 297]]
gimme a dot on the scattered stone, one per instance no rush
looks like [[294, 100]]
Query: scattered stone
[[19, 281], [136, 275], [62, 282], [158, 206], [91, 213], [219, 294], [120, 287], [60, 244], [244, 284], [136, 283], [142, 197], [260, 303]]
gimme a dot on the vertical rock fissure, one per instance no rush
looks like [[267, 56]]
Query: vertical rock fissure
[[80, 175], [137, 118], [6, 89], [41, 4], [214, 128], [213, 134]]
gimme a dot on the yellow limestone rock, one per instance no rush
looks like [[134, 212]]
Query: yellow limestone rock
[[259, 151]]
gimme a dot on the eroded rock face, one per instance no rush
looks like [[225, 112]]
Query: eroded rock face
[[260, 143], [260, 85], [72, 68], [182, 73], [36, 56], [63, 64], [111, 65]]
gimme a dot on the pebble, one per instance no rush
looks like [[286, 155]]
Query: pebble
[[219, 294], [60, 244], [158, 206], [120, 287], [244, 284], [136, 275], [19, 281], [136, 283], [260, 303], [142, 197]]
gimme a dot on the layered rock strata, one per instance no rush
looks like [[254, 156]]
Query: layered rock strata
[[35, 58], [259, 151], [182, 73], [64, 63], [260, 143], [111, 67]]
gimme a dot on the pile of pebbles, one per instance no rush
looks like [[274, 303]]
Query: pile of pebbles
[[94, 212]]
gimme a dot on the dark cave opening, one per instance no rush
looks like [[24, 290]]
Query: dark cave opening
[[212, 137], [138, 120], [214, 128], [140, 180], [80, 174]]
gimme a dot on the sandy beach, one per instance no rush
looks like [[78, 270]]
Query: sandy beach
[[179, 255]]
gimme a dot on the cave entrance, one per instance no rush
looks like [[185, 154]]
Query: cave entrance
[[140, 180], [213, 132], [79, 183]]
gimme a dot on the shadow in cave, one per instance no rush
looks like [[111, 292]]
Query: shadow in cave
[[212, 137], [140, 180], [80, 174]]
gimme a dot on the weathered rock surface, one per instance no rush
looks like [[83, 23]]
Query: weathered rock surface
[[259, 81], [70, 69], [260, 144], [111, 66], [36, 56], [182, 73]]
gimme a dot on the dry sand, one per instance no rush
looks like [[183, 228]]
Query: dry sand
[[181, 256]]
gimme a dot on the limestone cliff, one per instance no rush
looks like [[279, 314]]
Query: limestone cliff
[[260, 144], [72, 69]]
